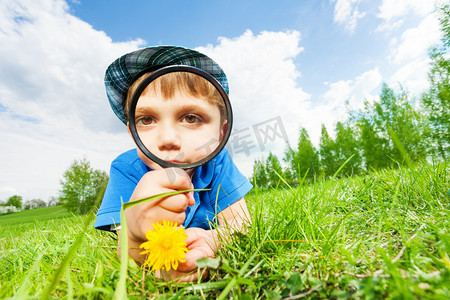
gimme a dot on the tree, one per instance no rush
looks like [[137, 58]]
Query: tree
[[391, 129], [375, 148], [80, 186], [327, 153], [347, 146], [304, 160], [437, 100], [308, 157], [273, 167], [15, 201], [259, 174], [34, 203], [397, 118], [53, 201]]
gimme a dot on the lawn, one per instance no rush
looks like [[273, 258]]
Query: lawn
[[382, 235], [32, 215]]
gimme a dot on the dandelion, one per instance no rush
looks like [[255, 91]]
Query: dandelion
[[165, 246]]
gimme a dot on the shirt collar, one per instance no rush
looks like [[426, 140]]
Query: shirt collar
[[203, 174]]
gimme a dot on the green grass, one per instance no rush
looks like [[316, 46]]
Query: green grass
[[38, 214], [383, 235]]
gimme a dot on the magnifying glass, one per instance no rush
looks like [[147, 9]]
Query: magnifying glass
[[180, 116]]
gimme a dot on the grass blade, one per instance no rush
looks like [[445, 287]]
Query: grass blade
[[24, 288]]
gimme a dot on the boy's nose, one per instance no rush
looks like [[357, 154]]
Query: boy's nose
[[168, 138]]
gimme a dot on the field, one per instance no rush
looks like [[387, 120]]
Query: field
[[383, 235]]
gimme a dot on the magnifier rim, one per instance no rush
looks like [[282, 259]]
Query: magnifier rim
[[153, 76]]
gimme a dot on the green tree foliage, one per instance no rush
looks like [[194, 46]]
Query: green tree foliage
[[403, 124], [259, 174], [327, 153], [265, 172], [308, 157], [15, 201], [437, 100], [391, 130], [273, 167], [289, 156], [80, 186], [375, 148], [305, 160], [347, 146]]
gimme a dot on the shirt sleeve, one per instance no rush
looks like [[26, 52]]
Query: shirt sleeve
[[229, 184], [123, 179]]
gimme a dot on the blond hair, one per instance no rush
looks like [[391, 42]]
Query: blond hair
[[168, 84]]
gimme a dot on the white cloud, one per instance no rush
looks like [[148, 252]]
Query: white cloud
[[409, 55], [262, 77], [415, 42], [347, 94], [353, 91], [346, 13], [392, 9], [53, 104], [413, 76], [393, 12]]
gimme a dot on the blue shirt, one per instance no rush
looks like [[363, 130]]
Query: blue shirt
[[227, 185]]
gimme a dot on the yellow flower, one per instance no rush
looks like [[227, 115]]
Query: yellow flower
[[165, 246]]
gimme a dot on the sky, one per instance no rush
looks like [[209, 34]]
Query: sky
[[290, 64]]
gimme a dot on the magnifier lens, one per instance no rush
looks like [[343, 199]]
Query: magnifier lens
[[180, 117]]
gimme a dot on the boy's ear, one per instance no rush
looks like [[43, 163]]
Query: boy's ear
[[128, 129], [223, 130]]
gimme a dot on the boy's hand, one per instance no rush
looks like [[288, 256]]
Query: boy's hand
[[172, 208], [201, 243]]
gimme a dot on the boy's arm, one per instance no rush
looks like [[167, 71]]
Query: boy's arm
[[234, 217]]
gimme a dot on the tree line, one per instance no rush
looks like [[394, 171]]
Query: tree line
[[80, 187], [396, 129], [15, 203]]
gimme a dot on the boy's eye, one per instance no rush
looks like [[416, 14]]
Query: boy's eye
[[191, 119], [146, 120]]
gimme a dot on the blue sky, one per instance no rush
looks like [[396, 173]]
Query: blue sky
[[298, 62], [332, 51]]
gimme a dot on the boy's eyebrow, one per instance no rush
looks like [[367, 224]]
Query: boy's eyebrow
[[182, 107], [193, 107], [144, 109]]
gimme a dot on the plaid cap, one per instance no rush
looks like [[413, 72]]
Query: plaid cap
[[124, 71]]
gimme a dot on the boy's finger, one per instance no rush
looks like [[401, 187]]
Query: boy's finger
[[158, 215], [191, 199], [176, 203], [175, 178], [177, 275], [191, 257]]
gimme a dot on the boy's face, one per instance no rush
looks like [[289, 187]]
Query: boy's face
[[182, 129]]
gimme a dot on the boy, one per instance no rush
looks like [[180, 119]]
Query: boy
[[171, 132]]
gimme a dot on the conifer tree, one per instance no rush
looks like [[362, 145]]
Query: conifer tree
[[327, 152], [347, 147], [259, 174], [273, 167], [304, 160]]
